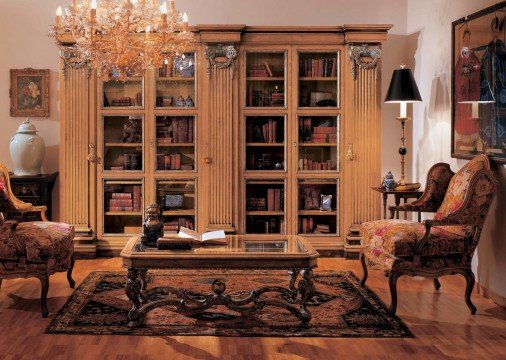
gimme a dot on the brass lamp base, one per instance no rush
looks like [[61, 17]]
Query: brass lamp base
[[402, 150]]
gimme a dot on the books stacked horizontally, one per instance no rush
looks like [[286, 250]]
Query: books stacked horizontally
[[322, 229], [318, 67], [258, 70], [187, 238], [256, 204], [174, 130], [273, 201], [308, 164], [175, 224], [263, 133], [125, 201], [317, 130]]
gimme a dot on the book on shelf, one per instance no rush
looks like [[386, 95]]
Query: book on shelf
[[307, 225], [258, 70], [265, 98], [309, 164], [132, 161], [266, 226], [273, 201], [318, 67], [268, 69], [174, 130], [121, 101], [256, 204], [322, 229], [175, 224], [171, 161], [312, 130], [128, 200]]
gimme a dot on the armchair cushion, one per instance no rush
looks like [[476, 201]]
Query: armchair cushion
[[46, 241], [398, 238]]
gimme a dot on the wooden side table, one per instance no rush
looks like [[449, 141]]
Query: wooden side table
[[398, 195], [34, 189]]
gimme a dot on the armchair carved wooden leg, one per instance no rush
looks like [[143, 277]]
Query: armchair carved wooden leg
[[437, 284], [392, 281], [363, 261], [71, 281], [469, 275], [44, 284]]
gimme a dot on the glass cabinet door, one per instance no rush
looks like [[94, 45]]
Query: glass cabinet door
[[318, 207], [318, 79], [178, 200], [265, 79], [123, 94], [175, 143], [122, 204], [123, 143], [265, 143], [175, 83], [265, 207]]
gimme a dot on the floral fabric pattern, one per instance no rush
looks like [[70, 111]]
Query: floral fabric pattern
[[460, 185], [398, 237]]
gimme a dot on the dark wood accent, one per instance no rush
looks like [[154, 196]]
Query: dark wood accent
[[34, 189]]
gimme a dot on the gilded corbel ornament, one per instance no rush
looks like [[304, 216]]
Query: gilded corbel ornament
[[366, 57], [72, 60], [221, 56]]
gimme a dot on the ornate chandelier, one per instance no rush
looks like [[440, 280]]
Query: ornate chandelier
[[122, 38]]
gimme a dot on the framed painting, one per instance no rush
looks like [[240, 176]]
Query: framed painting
[[479, 84], [29, 92]]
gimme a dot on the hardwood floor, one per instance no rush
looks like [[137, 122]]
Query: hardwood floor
[[441, 324]]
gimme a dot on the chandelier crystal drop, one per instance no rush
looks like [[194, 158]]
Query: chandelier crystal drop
[[122, 38]]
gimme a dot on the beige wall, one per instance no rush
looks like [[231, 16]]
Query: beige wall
[[429, 33]]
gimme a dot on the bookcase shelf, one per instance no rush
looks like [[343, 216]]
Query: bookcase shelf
[[117, 144], [264, 78], [175, 78], [265, 213], [123, 213], [318, 78], [184, 212], [318, 212]]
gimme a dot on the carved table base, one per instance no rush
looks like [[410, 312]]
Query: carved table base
[[190, 303]]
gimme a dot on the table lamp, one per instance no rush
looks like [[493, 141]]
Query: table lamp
[[402, 90]]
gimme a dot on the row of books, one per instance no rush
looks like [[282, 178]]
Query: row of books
[[307, 226], [174, 130], [175, 224], [272, 202], [261, 162], [260, 70], [316, 130], [263, 133], [265, 226], [129, 200], [265, 98], [308, 164], [318, 67], [171, 162], [131, 161]]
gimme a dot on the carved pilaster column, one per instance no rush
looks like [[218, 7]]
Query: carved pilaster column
[[76, 143], [222, 114], [364, 141]]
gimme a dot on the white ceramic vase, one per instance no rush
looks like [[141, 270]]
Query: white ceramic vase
[[27, 150]]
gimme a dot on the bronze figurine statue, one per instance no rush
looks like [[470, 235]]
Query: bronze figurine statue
[[152, 227]]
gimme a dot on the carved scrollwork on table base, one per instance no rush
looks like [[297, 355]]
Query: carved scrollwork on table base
[[190, 303]]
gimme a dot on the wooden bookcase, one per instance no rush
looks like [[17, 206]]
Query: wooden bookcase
[[248, 144]]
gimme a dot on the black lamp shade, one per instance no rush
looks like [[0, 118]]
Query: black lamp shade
[[402, 87]]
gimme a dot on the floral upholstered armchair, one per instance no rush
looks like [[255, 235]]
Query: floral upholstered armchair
[[32, 249], [442, 246]]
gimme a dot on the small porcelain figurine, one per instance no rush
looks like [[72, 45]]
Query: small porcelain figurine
[[189, 102], [180, 101], [388, 181], [152, 227]]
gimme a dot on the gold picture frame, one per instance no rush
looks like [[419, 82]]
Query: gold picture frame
[[29, 92]]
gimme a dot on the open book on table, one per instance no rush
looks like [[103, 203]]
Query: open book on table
[[189, 237]]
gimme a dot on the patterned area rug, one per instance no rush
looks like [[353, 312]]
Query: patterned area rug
[[340, 308]]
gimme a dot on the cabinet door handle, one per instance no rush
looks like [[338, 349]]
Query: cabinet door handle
[[91, 156], [208, 160], [350, 155]]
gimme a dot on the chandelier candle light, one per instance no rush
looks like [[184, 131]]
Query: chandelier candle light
[[122, 38], [403, 90]]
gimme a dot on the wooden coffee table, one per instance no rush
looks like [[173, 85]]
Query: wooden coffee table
[[292, 253]]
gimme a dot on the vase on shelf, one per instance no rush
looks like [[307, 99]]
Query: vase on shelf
[[27, 150]]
